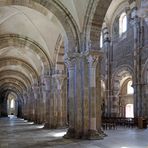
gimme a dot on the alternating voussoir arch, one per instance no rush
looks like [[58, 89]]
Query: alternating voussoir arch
[[13, 81], [16, 61], [59, 10], [10, 85], [121, 72], [17, 74], [8, 89], [21, 41], [93, 22]]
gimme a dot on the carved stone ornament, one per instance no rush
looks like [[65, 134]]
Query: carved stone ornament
[[71, 59]]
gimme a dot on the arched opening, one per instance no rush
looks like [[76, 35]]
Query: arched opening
[[130, 89], [12, 104], [101, 40], [129, 112], [126, 99], [122, 23]]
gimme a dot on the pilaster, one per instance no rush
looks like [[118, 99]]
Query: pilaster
[[137, 83], [108, 70]]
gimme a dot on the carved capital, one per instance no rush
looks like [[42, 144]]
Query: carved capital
[[106, 35], [71, 59], [93, 56], [134, 18], [59, 79], [36, 90], [47, 81]]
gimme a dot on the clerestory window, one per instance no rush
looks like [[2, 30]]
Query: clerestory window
[[122, 23], [101, 40]]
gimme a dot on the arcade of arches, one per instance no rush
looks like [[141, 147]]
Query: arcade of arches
[[73, 63]]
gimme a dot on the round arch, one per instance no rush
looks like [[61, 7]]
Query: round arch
[[14, 79], [13, 88], [17, 74], [14, 61], [93, 22], [20, 41], [5, 83], [14, 91], [61, 13], [9, 89], [119, 76]]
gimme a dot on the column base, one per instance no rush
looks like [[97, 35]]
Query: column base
[[50, 126], [47, 126], [70, 134], [94, 135], [102, 133], [90, 135]]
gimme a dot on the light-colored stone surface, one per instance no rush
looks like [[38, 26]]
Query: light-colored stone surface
[[17, 133], [27, 22]]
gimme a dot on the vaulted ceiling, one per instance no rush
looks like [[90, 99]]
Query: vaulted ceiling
[[34, 35]]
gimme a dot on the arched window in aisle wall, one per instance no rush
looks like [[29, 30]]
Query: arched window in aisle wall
[[130, 89], [12, 104], [129, 111]]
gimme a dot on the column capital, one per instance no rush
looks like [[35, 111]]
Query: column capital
[[93, 56], [106, 34], [36, 90], [59, 79], [134, 18], [71, 59]]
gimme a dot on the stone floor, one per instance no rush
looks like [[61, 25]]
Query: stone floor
[[17, 133]]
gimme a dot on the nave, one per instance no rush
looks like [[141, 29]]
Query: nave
[[18, 133]]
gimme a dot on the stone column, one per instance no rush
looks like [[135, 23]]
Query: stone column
[[94, 101], [71, 65], [108, 70], [73, 62], [65, 102], [37, 104], [51, 102], [43, 99], [31, 104], [60, 100], [137, 83], [25, 105], [54, 104], [40, 103], [22, 104], [145, 98], [142, 13], [84, 116], [99, 101], [48, 89], [36, 97]]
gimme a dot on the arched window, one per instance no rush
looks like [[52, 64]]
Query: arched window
[[12, 103], [130, 89], [101, 40], [129, 111], [122, 23]]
